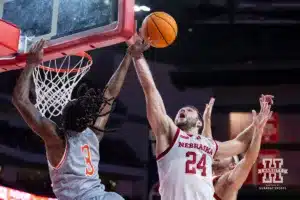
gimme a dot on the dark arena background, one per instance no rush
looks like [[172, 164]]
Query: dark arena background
[[232, 50]]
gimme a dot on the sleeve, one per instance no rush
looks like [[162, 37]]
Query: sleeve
[[216, 147]]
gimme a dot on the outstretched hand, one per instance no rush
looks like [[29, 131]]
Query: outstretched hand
[[265, 113], [36, 53], [208, 109], [138, 47]]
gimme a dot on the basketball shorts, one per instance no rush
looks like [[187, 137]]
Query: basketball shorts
[[107, 196]]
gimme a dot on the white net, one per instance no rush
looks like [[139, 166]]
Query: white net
[[55, 80]]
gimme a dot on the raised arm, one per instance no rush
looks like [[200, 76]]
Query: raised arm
[[240, 173], [113, 88], [235, 146], [207, 132], [159, 121], [241, 142], [42, 126]]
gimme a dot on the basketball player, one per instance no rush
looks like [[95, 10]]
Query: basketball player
[[230, 174], [73, 150], [184, 157]]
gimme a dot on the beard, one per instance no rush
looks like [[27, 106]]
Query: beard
[[186, 124]]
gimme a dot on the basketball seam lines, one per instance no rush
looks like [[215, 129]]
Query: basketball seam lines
[[159, 31], [167, 23]]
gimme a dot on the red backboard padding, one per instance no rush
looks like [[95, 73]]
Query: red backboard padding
[[123, 32], [9, 38]]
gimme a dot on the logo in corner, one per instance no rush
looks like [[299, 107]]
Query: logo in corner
[[272, 171]]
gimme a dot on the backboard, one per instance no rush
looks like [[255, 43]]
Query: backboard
[[70, 26]]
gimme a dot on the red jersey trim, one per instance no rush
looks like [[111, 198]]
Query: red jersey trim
[[215, 179], [161, 155], [217, 148], [62, 160], [217, 197]]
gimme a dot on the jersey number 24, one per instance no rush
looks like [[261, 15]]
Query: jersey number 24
[[195, 162]]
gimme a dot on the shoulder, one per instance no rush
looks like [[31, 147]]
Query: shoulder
[[51, 133], [166, 127], [98, 133]]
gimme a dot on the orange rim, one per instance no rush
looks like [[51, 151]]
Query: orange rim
[[79, 54]]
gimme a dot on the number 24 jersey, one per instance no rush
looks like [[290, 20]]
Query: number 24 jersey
[[185, 168]]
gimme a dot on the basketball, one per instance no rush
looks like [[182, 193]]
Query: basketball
[[161, 28]]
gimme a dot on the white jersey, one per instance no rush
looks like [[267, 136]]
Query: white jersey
[[185, 168]]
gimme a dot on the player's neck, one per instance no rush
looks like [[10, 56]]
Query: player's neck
[[220, 172], [193, 130]]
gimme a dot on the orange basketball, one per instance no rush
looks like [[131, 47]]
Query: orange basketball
[[160, 28]]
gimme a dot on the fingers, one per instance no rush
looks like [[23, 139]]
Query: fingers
[[211, 104], [38, 46], [270, 115], [205, 110], [254, 114], [212, 101], [147, 45], [267, 98]]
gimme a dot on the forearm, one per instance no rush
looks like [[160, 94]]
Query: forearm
[[117, 80], [246, 135], [146, 80], [112, 91], [253, 150], [240, 173], [22, 88], [207, 128], [144, 74]]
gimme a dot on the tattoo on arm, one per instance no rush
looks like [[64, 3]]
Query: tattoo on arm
[[113, 88]]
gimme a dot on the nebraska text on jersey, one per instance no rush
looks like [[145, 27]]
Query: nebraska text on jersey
[[185, 168], [199, 146]]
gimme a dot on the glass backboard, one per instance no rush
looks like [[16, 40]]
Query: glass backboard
[[70, 25]]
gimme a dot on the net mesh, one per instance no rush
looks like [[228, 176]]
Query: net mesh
[[54, 83]]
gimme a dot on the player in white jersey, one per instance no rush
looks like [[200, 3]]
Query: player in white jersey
[[229, 173], [184, 157]]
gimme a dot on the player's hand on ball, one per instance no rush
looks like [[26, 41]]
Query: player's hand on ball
[[36, 53], [140, 45]]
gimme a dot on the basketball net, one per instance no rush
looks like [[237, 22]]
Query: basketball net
[[54, 82]]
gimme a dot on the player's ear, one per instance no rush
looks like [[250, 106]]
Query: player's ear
[[199, 123]]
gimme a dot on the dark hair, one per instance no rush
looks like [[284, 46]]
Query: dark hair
[[78, 114]]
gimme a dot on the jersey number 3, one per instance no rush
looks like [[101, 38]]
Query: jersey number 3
[[89, 170], [193, 163]]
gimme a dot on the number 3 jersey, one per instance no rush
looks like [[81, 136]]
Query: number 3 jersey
[[76, 176], [185, 168]]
